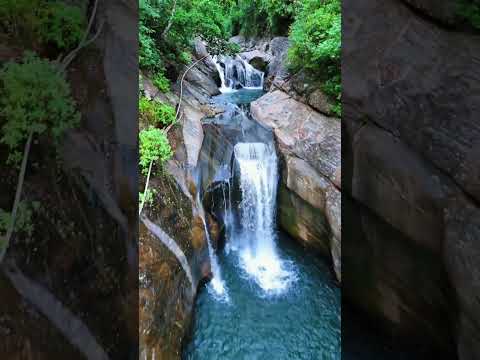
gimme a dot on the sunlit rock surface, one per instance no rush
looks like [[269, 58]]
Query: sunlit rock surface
[[309, 142]]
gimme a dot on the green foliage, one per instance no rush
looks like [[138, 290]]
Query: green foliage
[[149, 196], [156, 113], [333, 88], [185, 57], [62, 25], [161, 82], [316, 44], [154, 146], [260, 17], [49, 22], [34, 96], [470, 12], [149, 54], [24, 219], [316, 35], [206, 19], [314, 27]]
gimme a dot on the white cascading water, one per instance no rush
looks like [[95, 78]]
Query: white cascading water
[[255, 241], [216, 284], [237, 73]]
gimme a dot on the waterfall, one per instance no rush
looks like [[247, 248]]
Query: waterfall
[[223, 87], [216, 284], [236, 73], [255, 239]]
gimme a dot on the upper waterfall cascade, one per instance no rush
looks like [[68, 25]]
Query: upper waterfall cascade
[[236, 73]]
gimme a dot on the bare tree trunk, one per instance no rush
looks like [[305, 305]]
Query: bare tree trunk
[[170, 21]]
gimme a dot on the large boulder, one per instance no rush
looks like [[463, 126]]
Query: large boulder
[[278, 66], [411, 160], [306, 88], [258, 59], [202, 79], [301, 131], [267, 55], [200, 51], [309, 144]]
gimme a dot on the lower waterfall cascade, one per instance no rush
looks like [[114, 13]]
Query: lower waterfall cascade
[[282, 301], [255, 239]]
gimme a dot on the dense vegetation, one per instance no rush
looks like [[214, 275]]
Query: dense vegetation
[[43, 22], [35, 96], [153, 146], [316, 44], [470, 12], [260, 17], [168, 28]]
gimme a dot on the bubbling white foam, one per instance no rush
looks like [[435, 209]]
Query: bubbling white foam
[[255, 241]]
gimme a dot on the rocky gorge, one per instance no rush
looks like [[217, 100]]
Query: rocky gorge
[[411, 200], [307, 138]]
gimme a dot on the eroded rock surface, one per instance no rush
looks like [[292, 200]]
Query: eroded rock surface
[[411, 166], [167, 289], [310, 146], [174, 258]]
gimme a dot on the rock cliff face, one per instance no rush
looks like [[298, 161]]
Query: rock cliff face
[[168, 286], [173, 245], [411, 140], [309, 142]]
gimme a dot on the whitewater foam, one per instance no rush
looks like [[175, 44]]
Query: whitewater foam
[[255, 240]]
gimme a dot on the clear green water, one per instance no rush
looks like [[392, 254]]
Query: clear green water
[[303, 322], [238, 97]]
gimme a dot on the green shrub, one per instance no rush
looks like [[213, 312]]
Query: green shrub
[[62, 25], [333, 88], [260, 17], [316, 35], [34, 96], [48, 22], [156, 113], [185, 57], [154, 146], [149, 55], [316, 44], [161, 82], [469, 11], [24, 219], [149, 196]]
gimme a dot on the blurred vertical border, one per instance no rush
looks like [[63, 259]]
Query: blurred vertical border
[[69, 277]]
